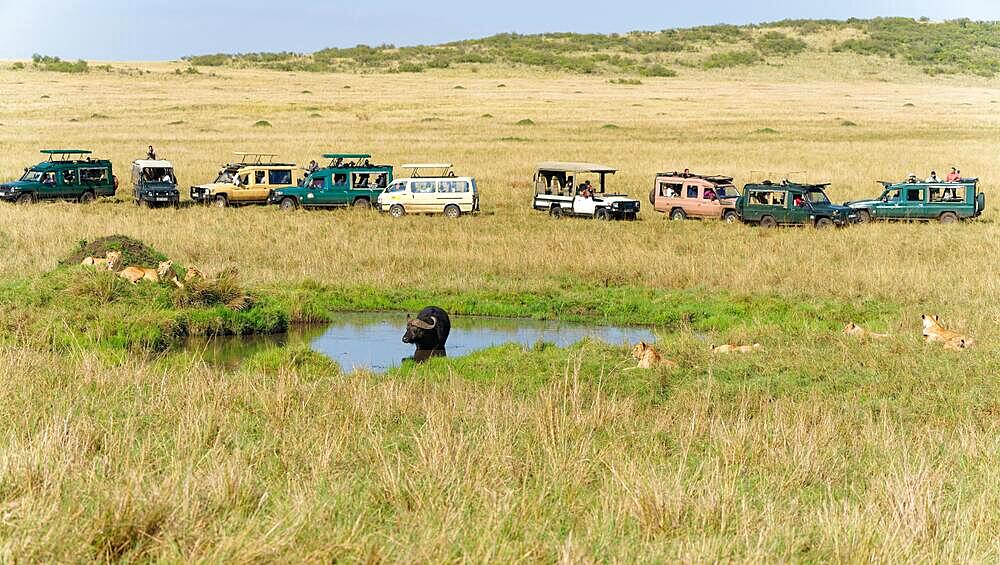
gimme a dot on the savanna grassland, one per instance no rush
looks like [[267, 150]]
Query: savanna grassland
[[115, 446]]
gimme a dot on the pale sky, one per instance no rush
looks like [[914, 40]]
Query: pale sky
[[127, 30]]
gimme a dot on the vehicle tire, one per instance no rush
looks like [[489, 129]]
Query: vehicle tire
[[768, 222], [730, 217], [220, 201], [452, 211], [948, 218], [86, 197], [288, 204], [556, 211], [362, 204], [397, 211], [678, 214], [864, 217], [25, 199], [652, 197], [602, 214], [824, 223]]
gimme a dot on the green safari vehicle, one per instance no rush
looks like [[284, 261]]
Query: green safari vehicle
[[946, 202], [66, 175], [349, 180], [791, 204]]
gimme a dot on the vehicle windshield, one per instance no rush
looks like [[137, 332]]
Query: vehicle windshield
[[157, 174], [726, 191], [32, 176], [397, 187], [225, 176], [817, 196]]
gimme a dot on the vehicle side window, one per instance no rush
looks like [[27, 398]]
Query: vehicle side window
[[279, 176], [398, 186], [68, 177], [94, 176], [339, 179], [670, 190], [259, 177], [360, 180], [691, 192], [892, 195], [947, 194], [244, 179], [317, 182], [914, 195], [453, 186], [767, 197], [423, 187]]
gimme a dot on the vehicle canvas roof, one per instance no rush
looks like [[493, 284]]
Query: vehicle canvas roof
[[571, 167], [153, 164], [347, 156]]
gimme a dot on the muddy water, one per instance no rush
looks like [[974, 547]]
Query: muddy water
[[372, 340]]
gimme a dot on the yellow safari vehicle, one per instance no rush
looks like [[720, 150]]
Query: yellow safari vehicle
[[439, 192], [247, 181]]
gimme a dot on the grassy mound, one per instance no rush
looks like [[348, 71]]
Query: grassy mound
[[134, 252]]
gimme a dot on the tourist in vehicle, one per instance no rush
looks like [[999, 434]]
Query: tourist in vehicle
[[953, 176], [710, 194], [586, 191], [911, 178], [799, 201], [151, 154], [933, 177], [687, 173], [313, 167], [49, 179]]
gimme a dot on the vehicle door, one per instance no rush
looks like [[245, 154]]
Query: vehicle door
[[316, 188], [68, 183], [238, 192], [797, 208], [694, 204], [276, 178], [338, 190], [948, 198], [889, 205], [913, 205], [423, 195], [584, 206]]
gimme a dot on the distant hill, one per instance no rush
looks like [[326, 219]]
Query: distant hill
[[951, 47]]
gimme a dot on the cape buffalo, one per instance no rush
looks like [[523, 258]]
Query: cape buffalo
[[429, 330]]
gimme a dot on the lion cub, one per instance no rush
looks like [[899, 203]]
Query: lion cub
[[649, 357], [135, 274], [108, 262], [855, 330], [728, 348], [934, 331]]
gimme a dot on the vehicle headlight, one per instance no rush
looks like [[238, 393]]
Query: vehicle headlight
[[278, 193], [836, 212]]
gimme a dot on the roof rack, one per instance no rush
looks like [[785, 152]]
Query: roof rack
[[718, 179], [257, 158], [417, 167], [572, 167], [64, 153]]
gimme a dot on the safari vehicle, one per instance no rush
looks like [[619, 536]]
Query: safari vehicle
[[349, 180], [560, 192], [791, 204], [686, 195], [248, 181], [441, 193], [66, 175], [154, 183], [946, 202]]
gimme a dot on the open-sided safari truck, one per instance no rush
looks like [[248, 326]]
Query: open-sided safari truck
[[67, 174], [687, 195], [154, 183], [791, 204], [432, 188], [560, 190], [349, 180], [945, 202], [248, 181]]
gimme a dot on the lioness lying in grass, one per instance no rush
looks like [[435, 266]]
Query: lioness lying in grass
[[934, 331], [855, 330], [729, 348], [649, 357], [109, 261], [135, 274]]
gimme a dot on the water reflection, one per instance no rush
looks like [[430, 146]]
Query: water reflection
[[372, 340]]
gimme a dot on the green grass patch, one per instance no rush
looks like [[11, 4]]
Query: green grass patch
[[525, 122]]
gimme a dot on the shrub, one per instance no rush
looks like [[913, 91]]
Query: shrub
[[55, 64], [262, 124], [17, 66], [775, 43], [525, 122], [727, 59], [628, 81], [409, 68], [657, 70]]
